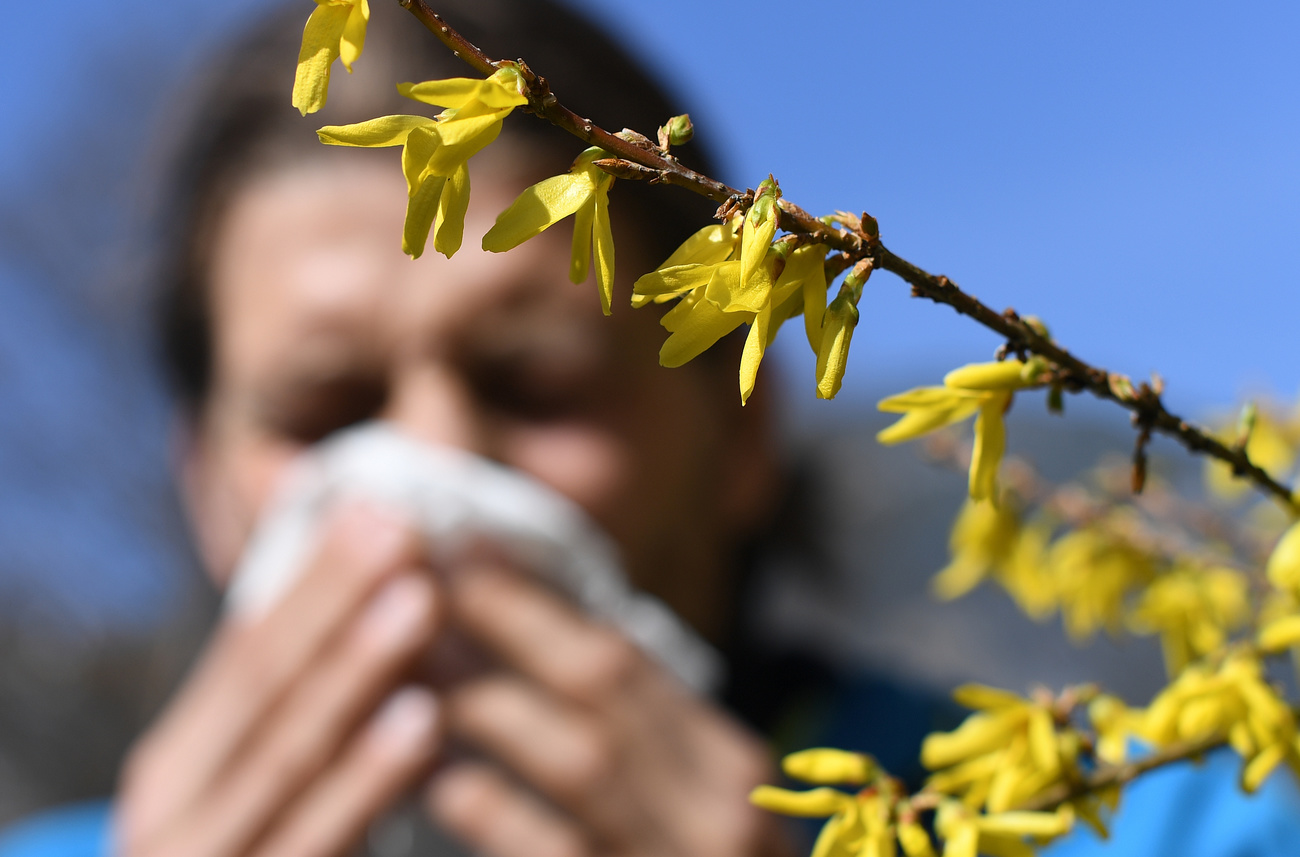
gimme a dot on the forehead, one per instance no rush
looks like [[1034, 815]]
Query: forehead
[[307, 261]]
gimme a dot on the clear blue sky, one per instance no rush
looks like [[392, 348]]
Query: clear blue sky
[[1127, 171]]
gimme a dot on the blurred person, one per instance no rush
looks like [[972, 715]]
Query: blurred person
[[288, 314]]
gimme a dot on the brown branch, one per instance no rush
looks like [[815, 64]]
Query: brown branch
[[1118, 775], [857, 244]]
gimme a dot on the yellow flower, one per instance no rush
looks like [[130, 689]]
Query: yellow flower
[[1284, 563], [826, 766], [582, 192], [1002, 755], [336, 29], [1234, 702], [984, 389], [1093, 574], [982, 539], [1193, 610], [968, 834], [1114, 722], [708, 273], [833, 344], [435, 152]]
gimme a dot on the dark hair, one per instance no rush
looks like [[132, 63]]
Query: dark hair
[[241, 124]]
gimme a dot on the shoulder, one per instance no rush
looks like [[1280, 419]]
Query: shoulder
[[1194, 810], [79, 830]]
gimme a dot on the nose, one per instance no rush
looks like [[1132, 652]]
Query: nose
[[430, 402]]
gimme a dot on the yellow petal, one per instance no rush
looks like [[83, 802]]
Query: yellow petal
[[826, 766], [814, 311], [1280, 634], [752, 356], [708, 246], [837, 332], [963, 841], [449, 231], [927, 397], [604, 241], [732, 292], [421, 209], [462, 139], [673, 280], [1284, 562], [353, 38], [754, 244], [457, 92], [1258, 769], [1044, 824], [695, 324], [984, 698], [421, 143], [320, 45], [538, 208], [915, 840], [584, 221], [814, 803], [1003, 375], [925, 420], [990, 443], [384, 131], [977, 735]]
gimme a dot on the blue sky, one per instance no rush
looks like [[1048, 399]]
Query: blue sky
[[1127, 171]]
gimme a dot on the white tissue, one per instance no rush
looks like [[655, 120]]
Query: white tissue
[[458, 500]]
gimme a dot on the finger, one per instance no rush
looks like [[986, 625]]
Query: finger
[[496, 818], [561, 751], [396, 745], [536, 633], [251, 664], [307, 732]]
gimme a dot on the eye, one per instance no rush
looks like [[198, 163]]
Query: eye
[[309, 410], [537, 388]]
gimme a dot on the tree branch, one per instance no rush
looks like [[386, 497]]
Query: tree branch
[[1118, 775], [1144, 402]]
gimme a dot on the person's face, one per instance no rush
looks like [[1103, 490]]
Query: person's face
[[320, 322]]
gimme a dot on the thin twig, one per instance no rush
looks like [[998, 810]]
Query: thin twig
[[1075, 374], [1118, 775]]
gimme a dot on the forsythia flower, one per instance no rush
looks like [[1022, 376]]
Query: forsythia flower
[[1193, 610], [1233, 702], [968, 834], [336, 29], [1114, 722], [984, 389], [1093, 573], [721, 287], [833, 344], [435, 152], [859, 825], [1005, 753], [1284, 563], [582, 192], [989, 540], [982, 539]]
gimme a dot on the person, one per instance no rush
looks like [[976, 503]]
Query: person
[[289, 313]]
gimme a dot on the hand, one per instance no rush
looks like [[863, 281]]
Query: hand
[[592, 748], [289, 738]]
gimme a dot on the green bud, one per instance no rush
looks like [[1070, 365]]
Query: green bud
[[679, 130], [1036, 324]]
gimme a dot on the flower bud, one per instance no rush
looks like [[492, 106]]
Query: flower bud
[[679, 130], [837, 331]]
